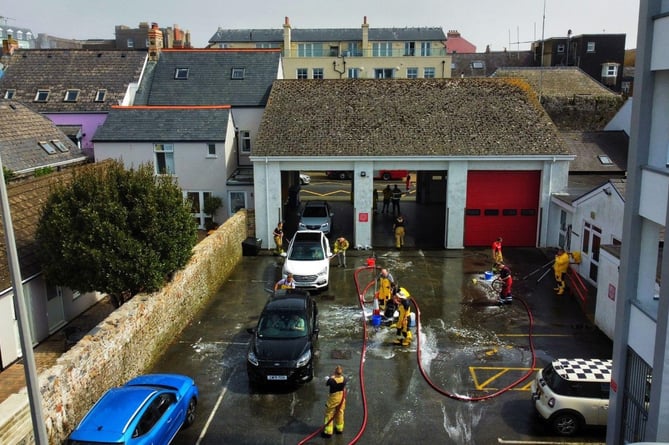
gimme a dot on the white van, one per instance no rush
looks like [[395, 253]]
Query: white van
[[570, 393]]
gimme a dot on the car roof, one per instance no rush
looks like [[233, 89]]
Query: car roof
[[289, 293], [110, 416], [288, 302], [308, 235], [583, 370]]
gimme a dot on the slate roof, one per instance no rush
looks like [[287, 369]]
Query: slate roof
[[581, 185], [21, 129], [406, 117], [209, 79], [327, 35], [558, 81], [589, 146], [71, 69], [26, 199], [167, 124]]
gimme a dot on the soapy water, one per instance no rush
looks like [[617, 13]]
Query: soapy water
[[460, 423]]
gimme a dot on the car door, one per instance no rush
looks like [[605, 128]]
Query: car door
[[159, 422]]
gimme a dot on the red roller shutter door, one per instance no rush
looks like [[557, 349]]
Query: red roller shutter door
[[502, 203]]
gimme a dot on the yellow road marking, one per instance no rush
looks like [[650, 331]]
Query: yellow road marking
[[499, 372]]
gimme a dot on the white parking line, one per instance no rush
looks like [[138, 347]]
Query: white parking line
[[216, 406], [540, 442]]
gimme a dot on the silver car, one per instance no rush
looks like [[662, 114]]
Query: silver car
[[316, 215]]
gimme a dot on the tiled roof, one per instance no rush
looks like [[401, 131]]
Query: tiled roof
[[61, 70], [590, 146], [405, 117], [558, 81], [21, 130], [167, 124], [26, 199], [209, 79], [328, 35]]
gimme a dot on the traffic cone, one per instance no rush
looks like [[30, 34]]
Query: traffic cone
[[375, 308]]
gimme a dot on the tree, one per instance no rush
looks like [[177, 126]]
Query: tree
[[121, 232]]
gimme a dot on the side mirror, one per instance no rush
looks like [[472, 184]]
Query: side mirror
[[251, 330]]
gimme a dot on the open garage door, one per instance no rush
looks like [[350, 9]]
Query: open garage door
[[502, 203]]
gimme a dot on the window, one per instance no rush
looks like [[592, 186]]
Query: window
[[196, 200], [383, 73], [245, 145], [71, 95], [605, 160], [592, 236], [610, 70], [425, 49], [237, 201], [302, 73], [60, 146], [100, 95], [267, 45], [130, 43], [42, 96], [428, 72], [211, 150], [591, 47], [354, 73], [238, 73], [382, 49], [354, 49], [309, 50], [560, 48], [47, 147], [181, 73], [477, 65], [334, 51], [412, 73], [409, 48], [164, 159], [9, 94], [318, 73], [19, 35]]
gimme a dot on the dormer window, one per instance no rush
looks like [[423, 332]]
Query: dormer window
[[47, 147], [238, 73], [100, 95], [181, 73], [591, 47], [71, 95], [130, 43], [42, 96], [9, 94], [60, 146]]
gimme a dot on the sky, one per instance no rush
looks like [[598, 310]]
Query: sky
[[510, 24]]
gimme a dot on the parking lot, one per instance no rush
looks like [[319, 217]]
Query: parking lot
[[462, 380]]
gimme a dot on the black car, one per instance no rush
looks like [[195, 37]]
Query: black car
[[282, 347], [339, 174]]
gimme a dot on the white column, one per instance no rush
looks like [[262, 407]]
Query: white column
[[267, 195], [456, 199], [363, 186]]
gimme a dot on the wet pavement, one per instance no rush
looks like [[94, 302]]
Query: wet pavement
[[469, 346]]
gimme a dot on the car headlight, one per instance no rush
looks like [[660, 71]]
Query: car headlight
[[302, 361], [301, 225], [325, 226], [323, 271], [251, 357]]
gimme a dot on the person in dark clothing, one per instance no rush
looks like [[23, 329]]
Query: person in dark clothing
[[505, 296], [398, 229], [387, 193], [395, 199], [336, 403]]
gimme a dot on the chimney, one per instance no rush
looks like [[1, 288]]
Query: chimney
[[9, 45], [286, 37], [365, 37], [155, 42]]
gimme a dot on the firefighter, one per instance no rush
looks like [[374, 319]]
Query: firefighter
[[560, 267], [336, 403], [386, 285], [278, 238], [505, 296], [497, 256], [403, 334], [340, 248]]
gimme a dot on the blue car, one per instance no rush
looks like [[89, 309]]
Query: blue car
[[149, 409]]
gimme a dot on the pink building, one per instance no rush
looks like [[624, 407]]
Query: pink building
[[456, 44]]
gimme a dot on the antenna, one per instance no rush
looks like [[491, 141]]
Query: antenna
[[4, 19]]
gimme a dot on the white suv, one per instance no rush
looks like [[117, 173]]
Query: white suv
[[308, 259], [570, 393]]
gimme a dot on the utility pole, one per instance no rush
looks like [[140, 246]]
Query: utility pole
[[32, 384], [543, 43]]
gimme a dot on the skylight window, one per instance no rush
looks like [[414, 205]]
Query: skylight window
[[71, 95], [100, 95], [60, 146], [238, 73], [42, 96], [181, 73], [9, 94], [605, 160], [47, 147]]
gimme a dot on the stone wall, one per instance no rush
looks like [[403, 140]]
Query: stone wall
[[127, 342]]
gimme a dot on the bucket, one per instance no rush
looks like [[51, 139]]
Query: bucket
[[412, 319], [488, 274], [376, 320], [371, 262]]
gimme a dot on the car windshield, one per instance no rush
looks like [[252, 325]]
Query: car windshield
[[307, 252], [315, 212], [282, 325]]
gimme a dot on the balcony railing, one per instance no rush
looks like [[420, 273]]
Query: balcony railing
[[316, 52]]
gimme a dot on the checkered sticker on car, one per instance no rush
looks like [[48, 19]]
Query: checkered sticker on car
[[587, 370]]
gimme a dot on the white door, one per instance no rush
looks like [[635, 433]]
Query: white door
[[10, 347], [54, 308]]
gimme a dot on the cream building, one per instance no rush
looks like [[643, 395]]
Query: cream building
[[348, 53]]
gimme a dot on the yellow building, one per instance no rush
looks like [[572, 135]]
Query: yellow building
[[348, 53]]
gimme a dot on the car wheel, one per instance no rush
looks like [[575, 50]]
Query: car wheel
[[342, 175], [386, 176], [190, 412], [310, 375], [566, 424]]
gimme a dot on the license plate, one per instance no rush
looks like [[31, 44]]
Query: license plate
[[277, 377]]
